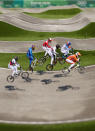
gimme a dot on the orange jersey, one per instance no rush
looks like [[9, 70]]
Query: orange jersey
[[73, 58]]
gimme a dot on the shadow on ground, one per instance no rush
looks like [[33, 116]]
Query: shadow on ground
[[66, 87], [30, 79], [58, 75], [11, 88], [48, 81], [41, 72]]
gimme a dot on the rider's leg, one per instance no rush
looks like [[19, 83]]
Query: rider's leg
[[30, 62], [12, 68], [52, 59], [51, 55], [15, 69], [72, 64], [46, 51]]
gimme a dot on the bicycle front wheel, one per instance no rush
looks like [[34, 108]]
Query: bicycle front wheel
[[24, 75], [81, 69], [49, 67], [10, 78]]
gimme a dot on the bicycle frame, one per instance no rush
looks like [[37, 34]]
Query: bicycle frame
[[34, 62]]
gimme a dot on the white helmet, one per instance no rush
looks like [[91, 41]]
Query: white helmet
[[78, 54], [49, 39]]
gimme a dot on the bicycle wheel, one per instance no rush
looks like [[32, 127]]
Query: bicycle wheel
[[81, 69], [10, 78], [49, 67], [30, 69], [61, 60], [41, 61], [24, 75], [65, 71]]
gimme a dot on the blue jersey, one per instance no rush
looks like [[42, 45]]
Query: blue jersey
[[29, 53]]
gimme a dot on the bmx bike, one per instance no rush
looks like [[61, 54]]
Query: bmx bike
[[43, 59], [59, 59], [80, 69], [23, 74], [35, 62]]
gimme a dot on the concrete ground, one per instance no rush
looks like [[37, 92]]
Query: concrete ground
[[48, 96]]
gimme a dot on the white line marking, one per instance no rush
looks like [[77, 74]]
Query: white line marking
[[49, 122]]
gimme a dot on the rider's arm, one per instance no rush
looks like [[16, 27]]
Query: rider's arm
[[76, 59], [48, 45]]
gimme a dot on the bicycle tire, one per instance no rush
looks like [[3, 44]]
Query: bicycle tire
[[44, 59], [10, 78], [61, 61], [49, 67], [64, 71], [40, 62], [24, 75], [81, 69], [30, 69]]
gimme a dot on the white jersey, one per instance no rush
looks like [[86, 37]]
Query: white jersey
[[65, 49]]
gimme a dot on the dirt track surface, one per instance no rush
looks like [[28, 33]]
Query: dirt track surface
[[22, 46], [21, 20], [48, 96]]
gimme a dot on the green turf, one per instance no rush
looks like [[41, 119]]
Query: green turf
[[81, 126], [87, 58], [56, 14], [12, 33]]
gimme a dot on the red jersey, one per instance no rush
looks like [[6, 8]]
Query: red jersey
[[46, 44]]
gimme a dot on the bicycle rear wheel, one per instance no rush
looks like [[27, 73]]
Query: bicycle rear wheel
[[24, 75], [81, 69], [49, 67], [65, 71], [61, 60], [41, 61], [10, 78]]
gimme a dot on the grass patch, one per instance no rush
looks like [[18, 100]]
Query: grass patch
[[80, 126], [87, 58], [12, 33], [56, 14]]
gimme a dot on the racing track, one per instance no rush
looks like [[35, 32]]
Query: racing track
[[26, 22], [48, 97], [22, 46]]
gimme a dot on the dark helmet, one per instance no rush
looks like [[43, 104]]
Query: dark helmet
[[57, 46], [16, 58], [33, 47]]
